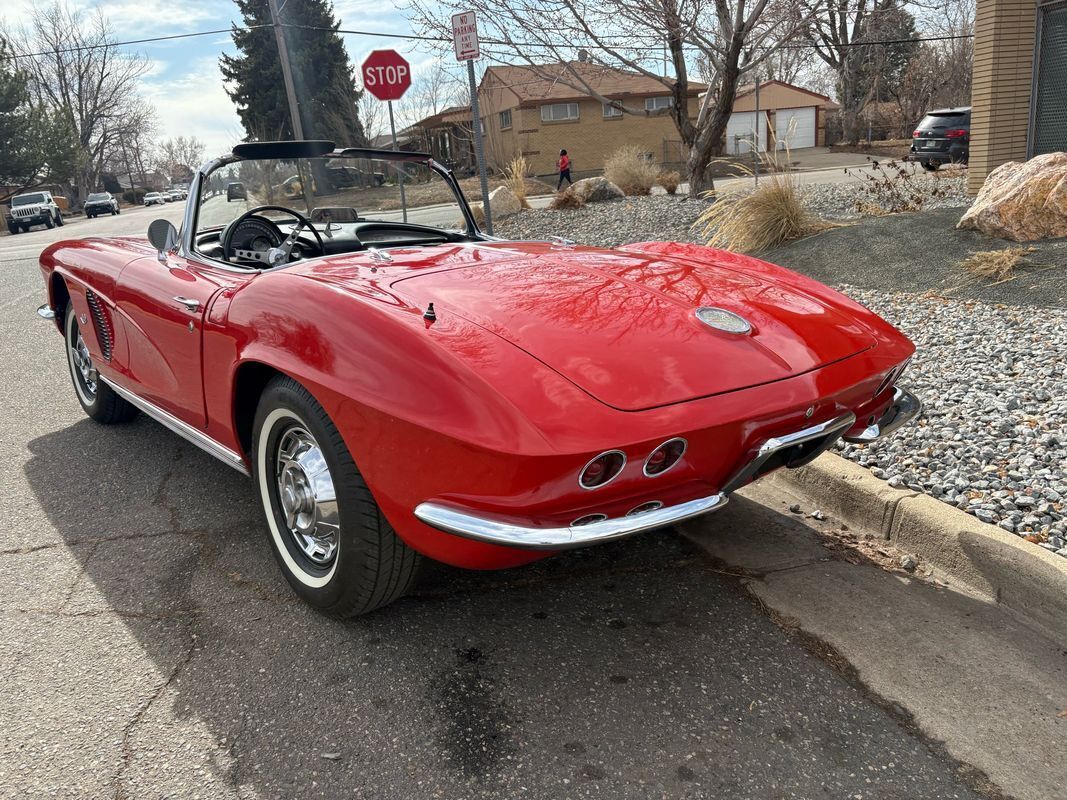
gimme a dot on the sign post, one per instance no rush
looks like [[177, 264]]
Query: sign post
[[387, 75], [465, 42]]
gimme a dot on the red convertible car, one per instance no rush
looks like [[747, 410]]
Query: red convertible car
[[399, 384]]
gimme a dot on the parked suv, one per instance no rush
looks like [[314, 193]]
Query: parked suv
[[942, 137], [34, 208], [236, 191], [100, 203], [154, 199]]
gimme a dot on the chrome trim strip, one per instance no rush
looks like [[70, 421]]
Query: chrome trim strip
[[904, 408], [498, 531], [831, 430], [183, 429]]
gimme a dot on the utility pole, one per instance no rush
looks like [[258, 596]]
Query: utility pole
[[287, 70], [479, 149], [755, 165]]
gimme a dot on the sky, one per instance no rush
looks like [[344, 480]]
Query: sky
[[184, 82]]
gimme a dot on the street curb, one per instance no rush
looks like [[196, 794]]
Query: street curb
[[984, 558]]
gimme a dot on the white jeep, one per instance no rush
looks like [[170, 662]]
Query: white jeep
[[33, 208]]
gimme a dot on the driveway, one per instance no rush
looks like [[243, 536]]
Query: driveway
[[151, 648]]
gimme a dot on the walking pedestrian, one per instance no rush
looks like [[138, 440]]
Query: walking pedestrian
[[564, 165]]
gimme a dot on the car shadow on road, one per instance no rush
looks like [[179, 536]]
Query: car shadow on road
[[634, 669]]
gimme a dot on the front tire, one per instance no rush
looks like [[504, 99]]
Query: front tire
[[97, 399], [331, 540], [49, 222]]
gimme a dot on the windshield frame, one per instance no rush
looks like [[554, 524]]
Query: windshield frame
[[247, 152]]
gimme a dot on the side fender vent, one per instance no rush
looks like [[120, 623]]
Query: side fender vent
[[102, 322]]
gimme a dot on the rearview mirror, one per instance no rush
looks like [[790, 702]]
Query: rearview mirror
[[163, 236]]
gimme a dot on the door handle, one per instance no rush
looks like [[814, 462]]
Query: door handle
[[190, 305]]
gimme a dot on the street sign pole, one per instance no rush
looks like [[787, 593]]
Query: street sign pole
[[465, 44], [479, 148], [399, 169]]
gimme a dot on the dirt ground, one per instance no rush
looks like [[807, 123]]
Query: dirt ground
[[921, 252], [892, 148]]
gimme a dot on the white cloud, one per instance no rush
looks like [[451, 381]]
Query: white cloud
[[196, 104]]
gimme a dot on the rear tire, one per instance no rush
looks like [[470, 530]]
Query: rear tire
[[97, 399], [331, 540], [931, 166]]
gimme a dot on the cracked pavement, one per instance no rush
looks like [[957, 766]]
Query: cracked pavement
[[151, 648]]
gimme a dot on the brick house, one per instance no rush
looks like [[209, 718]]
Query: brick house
[[523, 111], [1019, 90]]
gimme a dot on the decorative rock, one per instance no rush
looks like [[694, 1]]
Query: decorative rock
[[795, 508], [503, 203], [597, 190], [1022, 201], [908, 562]]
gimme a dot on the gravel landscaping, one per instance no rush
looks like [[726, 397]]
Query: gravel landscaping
[[989, 366], [992, 439]]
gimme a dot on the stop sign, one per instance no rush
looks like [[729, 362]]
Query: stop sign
[[386, 74]]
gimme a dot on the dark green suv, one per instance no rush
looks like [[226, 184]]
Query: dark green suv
[[943, 137]]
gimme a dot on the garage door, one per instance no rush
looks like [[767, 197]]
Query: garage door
[[741, 132], [795, 127]]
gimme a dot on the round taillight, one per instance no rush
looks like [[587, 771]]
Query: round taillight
[[588, 519], [644, 508], [602, 470], [665, 456]]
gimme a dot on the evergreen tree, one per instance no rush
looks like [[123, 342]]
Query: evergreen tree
[[324, 79], [37, 145]]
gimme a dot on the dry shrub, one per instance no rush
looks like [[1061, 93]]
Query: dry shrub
[[890, 188], [478, 212], [566, 200], [515, 178], [628, 169], [765, 218], [669, 180], [997, 265]]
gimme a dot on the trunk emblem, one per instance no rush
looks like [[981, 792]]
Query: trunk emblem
[[723, 320]]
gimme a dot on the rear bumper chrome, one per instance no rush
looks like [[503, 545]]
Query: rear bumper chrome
[[789, 450], [497, 531], [904, 408]]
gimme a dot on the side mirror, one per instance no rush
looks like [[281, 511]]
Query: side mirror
[[163, 236]]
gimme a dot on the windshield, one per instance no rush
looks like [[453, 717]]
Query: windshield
[[28, 199], [94, 198], [339, 189], [152, 194]]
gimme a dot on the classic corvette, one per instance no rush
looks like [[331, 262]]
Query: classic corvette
[[400, 385]]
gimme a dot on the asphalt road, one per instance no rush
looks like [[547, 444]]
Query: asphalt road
[[151, 648]]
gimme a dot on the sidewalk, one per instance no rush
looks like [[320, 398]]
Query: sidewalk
[[964, 673]]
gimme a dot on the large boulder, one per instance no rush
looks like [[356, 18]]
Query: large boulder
[[503, 202], [1022, 201], [596, 190]]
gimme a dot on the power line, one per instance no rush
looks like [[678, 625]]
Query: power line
[[445, 39]]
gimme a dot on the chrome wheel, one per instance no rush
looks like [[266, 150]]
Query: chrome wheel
[[306, 496], [81, 363]]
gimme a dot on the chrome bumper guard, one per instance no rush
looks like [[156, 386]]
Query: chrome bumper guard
[[495, 531], [904, 408], [46, 312]]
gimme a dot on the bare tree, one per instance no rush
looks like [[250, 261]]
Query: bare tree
[[372, 115], [84, 76], [659, 39], [177, 158]]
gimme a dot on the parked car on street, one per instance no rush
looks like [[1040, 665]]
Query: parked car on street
[[33, 208], [400, 389], [236, 191], [154, 199], [942, 137], [100, 203]]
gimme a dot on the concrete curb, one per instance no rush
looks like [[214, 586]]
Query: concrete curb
[[982, 557]]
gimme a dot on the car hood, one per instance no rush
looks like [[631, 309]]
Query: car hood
[[622, 326]]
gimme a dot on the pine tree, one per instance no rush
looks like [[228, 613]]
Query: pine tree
[[324, 79]]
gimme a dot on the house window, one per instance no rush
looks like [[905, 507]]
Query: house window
[[658, 103], [611, 112], [559, 112], [505, 120], [1047, 131]]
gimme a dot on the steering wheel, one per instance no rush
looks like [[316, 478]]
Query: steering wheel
[[282, 249]]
